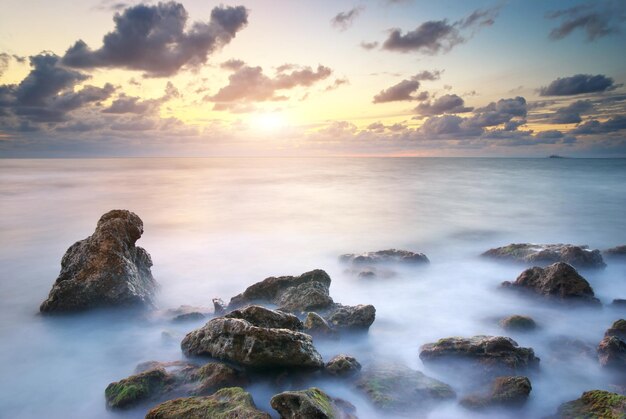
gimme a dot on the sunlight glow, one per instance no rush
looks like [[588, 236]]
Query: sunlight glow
[[268, 121]]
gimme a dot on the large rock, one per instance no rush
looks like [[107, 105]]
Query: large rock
[[612, 353], [312, 403], [617, 329], [384, 256], [264, 317], [239, 341], [594, 404], [343, 366], [397, 388], [618, 252], [545, 254], [486, 355], [316, 326], [227, 403], [558, 282], [359, 317], [138, 388], [105, 269], [505, 391]]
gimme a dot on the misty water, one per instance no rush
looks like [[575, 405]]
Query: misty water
[[215, 226]]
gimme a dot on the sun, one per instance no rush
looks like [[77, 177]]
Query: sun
[[270, 121]]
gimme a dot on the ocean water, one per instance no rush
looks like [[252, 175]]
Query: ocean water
[[215, 226]]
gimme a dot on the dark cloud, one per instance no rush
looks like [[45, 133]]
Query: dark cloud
[[449, 104], [570, 114], [232, 64], [154, 39], [428, 75], [344, 20], [125, 104], [4, 62], [250, 84], [597, 19], [435, 36], [578, 84], [442, 125], [369, 45], [501, 112], [616, 123], [398, 92]]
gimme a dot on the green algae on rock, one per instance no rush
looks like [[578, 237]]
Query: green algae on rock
[[312, 403], [137, 388], [517, 323], [505, 391], [594, 404]]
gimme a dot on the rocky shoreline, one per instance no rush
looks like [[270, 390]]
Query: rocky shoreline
[[270, 331]]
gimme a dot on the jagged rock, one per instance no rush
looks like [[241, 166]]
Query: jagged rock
[[105, 269], [612, 353], [312, 403], [219, 307], [138, 388], [617, 252], [358, 317], [384, 256], [545, 254], [227, 403], [213, 376], [316, 326], [239, 341], [594, 404], [487, 355], [306, 292], [617, 329], [343, 366], [558, 282], [264, 317], [187, 317], [505, 391], [517, 323], [397, 388]]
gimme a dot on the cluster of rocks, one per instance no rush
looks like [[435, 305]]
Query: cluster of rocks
[[545, 254], [378, 264]]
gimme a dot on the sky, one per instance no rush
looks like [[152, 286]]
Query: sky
[[111, 78]]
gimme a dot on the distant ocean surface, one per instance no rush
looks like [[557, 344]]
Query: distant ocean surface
[[217, 225]]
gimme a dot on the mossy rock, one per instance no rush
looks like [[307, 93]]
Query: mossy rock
[[312, 403], [505, 391], [617, 329], [517, 323], [137, 388], [595, 404], [214, 375], [227, 403]]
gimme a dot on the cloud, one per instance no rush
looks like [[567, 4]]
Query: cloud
[[369, 45], [344, 20], [501, 112], [398, 92], [616, 123], [428, 75], [4, 62], [578, 84], [232, 64], [158, 41], [597, 19], [449, 104], [250, 84], [570, 114], [337, 84], [437, 36]]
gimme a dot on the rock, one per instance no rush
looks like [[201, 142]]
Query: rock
[[517, 323], [105, 269], [175, 365], [618, 303], [397, 388], [193, 316], [213, 376], [343, 366], [358, 317], [612, 353], [617, 252], [264, 317], [545, 254], [312, 403], [306, 292], [316, 326], [487, 355], [594, 404], [384, 256], [505, 391], [558, 282], [617, 329], [239, 341], [138, 388], [227, 403], [219, 307]]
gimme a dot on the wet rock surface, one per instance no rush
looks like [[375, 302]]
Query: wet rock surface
[[617, 329], [227, 403], [384, 256], [241, 342], [505, 391], [517, 323], [612, 353], [557, 282], [316, 326], [263, 317], [105, 269], [138, 388], [343, 366], [312, 403], [358, 317], [545, 254], [397, 388], [486, 355], [594, 404]]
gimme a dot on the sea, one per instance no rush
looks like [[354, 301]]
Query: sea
[[214, 226]]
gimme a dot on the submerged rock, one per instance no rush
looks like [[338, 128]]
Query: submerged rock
[[343, 366], [559, 282], [188, 317], [239, 341], [567, 349], [397, 388], [264, 317], [505, 391], [487, 355], [384, 256], [612, 353], [312, 403], [105, 269], [138, 388], [227, 403], [594, 404], [618, 252], [545, 254], [517, 323]]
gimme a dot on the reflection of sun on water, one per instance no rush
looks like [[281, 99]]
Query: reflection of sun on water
[[268, 121]]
